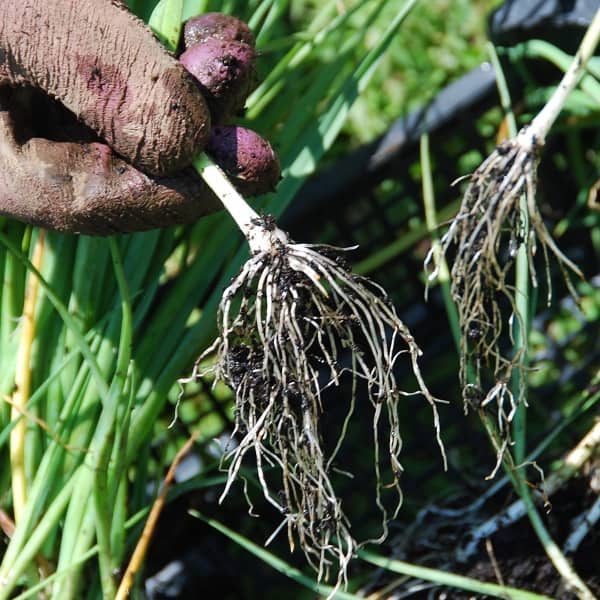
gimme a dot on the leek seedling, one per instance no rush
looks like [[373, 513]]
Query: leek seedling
[[491, 224], [285, 323]]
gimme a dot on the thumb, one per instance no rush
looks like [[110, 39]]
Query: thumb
[[106, 66]]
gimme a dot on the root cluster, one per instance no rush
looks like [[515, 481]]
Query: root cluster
[[487, 233], [293, 323]]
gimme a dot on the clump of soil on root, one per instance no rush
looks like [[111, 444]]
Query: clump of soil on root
[[487, 234], [293, 323]]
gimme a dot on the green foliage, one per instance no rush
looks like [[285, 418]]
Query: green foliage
[[428, 54], [118, 321]]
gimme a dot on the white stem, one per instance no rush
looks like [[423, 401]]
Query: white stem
[[242, 213], [535, 134], [248, 220]]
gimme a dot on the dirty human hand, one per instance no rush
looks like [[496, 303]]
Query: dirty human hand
[[86, 93]]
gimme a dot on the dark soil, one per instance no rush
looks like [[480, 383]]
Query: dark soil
[[190, 556], [517, 558], [522, 562]]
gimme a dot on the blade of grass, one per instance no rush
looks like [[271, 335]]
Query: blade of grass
[[519, 378], [265, 32], [275, 562], [141, 547], [13, 286], [64, 314], [118, 473], [439, 260], [449, 579], [101, 493], [48, 522], [23, 383], [259, 14], [165, 21]]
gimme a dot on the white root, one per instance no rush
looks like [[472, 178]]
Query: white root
[[294, 323], [487, 233]]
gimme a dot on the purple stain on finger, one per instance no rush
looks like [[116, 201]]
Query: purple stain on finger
[[107, 84], [246, 157], [106, 66]]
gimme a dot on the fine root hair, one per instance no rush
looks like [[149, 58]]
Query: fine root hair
[[293, 323], [487, 233]]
